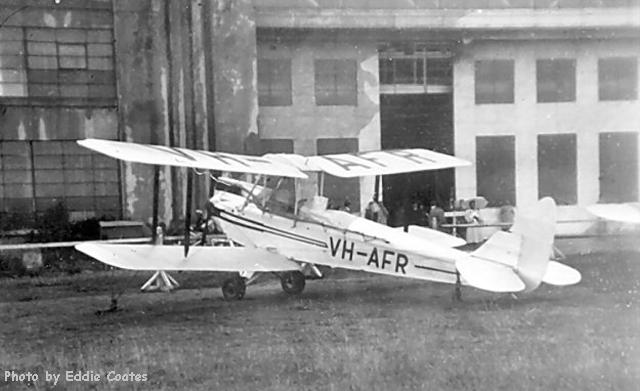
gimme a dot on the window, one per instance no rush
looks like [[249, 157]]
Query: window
[[618, 78], [415, 69], [557, 175], [45, 63], [274, 82], [336, 82], [37, 175], [556, 80], [439, 71], [276, 145], [338, 190], [618, 167], [496, 169], [13, 73], [494, 81]]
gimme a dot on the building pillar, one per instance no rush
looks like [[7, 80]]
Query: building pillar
[[234, 61]]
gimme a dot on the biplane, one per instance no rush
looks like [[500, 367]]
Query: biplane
[[282, 233]]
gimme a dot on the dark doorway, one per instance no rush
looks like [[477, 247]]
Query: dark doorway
[[417, 121], [618, 167]]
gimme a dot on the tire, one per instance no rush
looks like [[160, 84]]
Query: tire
[[234, 288], [293, 282]]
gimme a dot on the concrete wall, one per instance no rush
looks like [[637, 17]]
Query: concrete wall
[[304, 121], [525, 118]]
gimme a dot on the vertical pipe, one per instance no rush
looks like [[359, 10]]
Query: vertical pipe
[[190, 121], [170, 95], [187, 217], [119, 111], [207, 41], [156, 191]]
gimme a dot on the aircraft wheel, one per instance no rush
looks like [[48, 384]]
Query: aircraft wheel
[[293, 282], [234, 288]]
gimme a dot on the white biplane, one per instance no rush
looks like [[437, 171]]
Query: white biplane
[[289, 236]]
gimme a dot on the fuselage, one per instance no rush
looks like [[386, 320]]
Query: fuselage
[[336, 239]]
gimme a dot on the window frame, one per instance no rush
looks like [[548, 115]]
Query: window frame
[[552, 71], [559, 179], [507, 189], [336, 93], [61, 67], [487, 91], [268, 69], [55, 167], [608, 81]]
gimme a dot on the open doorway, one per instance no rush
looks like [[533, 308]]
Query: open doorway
[[416, 121]]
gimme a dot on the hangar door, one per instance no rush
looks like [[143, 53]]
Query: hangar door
[[417, 121]]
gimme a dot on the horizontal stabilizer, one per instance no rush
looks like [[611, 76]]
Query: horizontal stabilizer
[[488, 275], [502, 247], [441, 238], [160, 257], [560, 274], [517, 260]]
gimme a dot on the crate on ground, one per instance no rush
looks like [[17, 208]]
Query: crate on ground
[[122, 229]]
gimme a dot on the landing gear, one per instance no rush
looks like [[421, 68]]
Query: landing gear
[[457, 293], [292, 282], [234, 288]]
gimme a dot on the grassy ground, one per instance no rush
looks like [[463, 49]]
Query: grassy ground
[[349, 331]]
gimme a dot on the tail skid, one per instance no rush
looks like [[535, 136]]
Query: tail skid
[[519, 260]]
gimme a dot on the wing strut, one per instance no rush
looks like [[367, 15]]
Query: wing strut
[[321, 187]]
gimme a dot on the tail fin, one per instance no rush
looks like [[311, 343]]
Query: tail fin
[[518, 260]]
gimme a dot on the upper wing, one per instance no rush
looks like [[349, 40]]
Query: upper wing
[[182, 157], [157, 257], [627, 213], [397, 161]]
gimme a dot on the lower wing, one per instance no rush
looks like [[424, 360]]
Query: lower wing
[[160, 257]]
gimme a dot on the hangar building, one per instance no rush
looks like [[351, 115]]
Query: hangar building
[[541, 95]]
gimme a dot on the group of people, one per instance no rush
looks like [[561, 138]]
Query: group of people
[[417, 214], [434, 217]]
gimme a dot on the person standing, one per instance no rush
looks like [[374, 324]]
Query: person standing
[[436, 216]]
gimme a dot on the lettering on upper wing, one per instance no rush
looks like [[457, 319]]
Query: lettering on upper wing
[[173, 151], [377, 159], [411, 156], [345, 164], [383, 259], [197, 155]]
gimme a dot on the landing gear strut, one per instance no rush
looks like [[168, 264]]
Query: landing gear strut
[[457, 293], [292, 282], [234, 288]]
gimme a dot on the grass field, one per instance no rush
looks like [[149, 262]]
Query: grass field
[[350, 331]]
